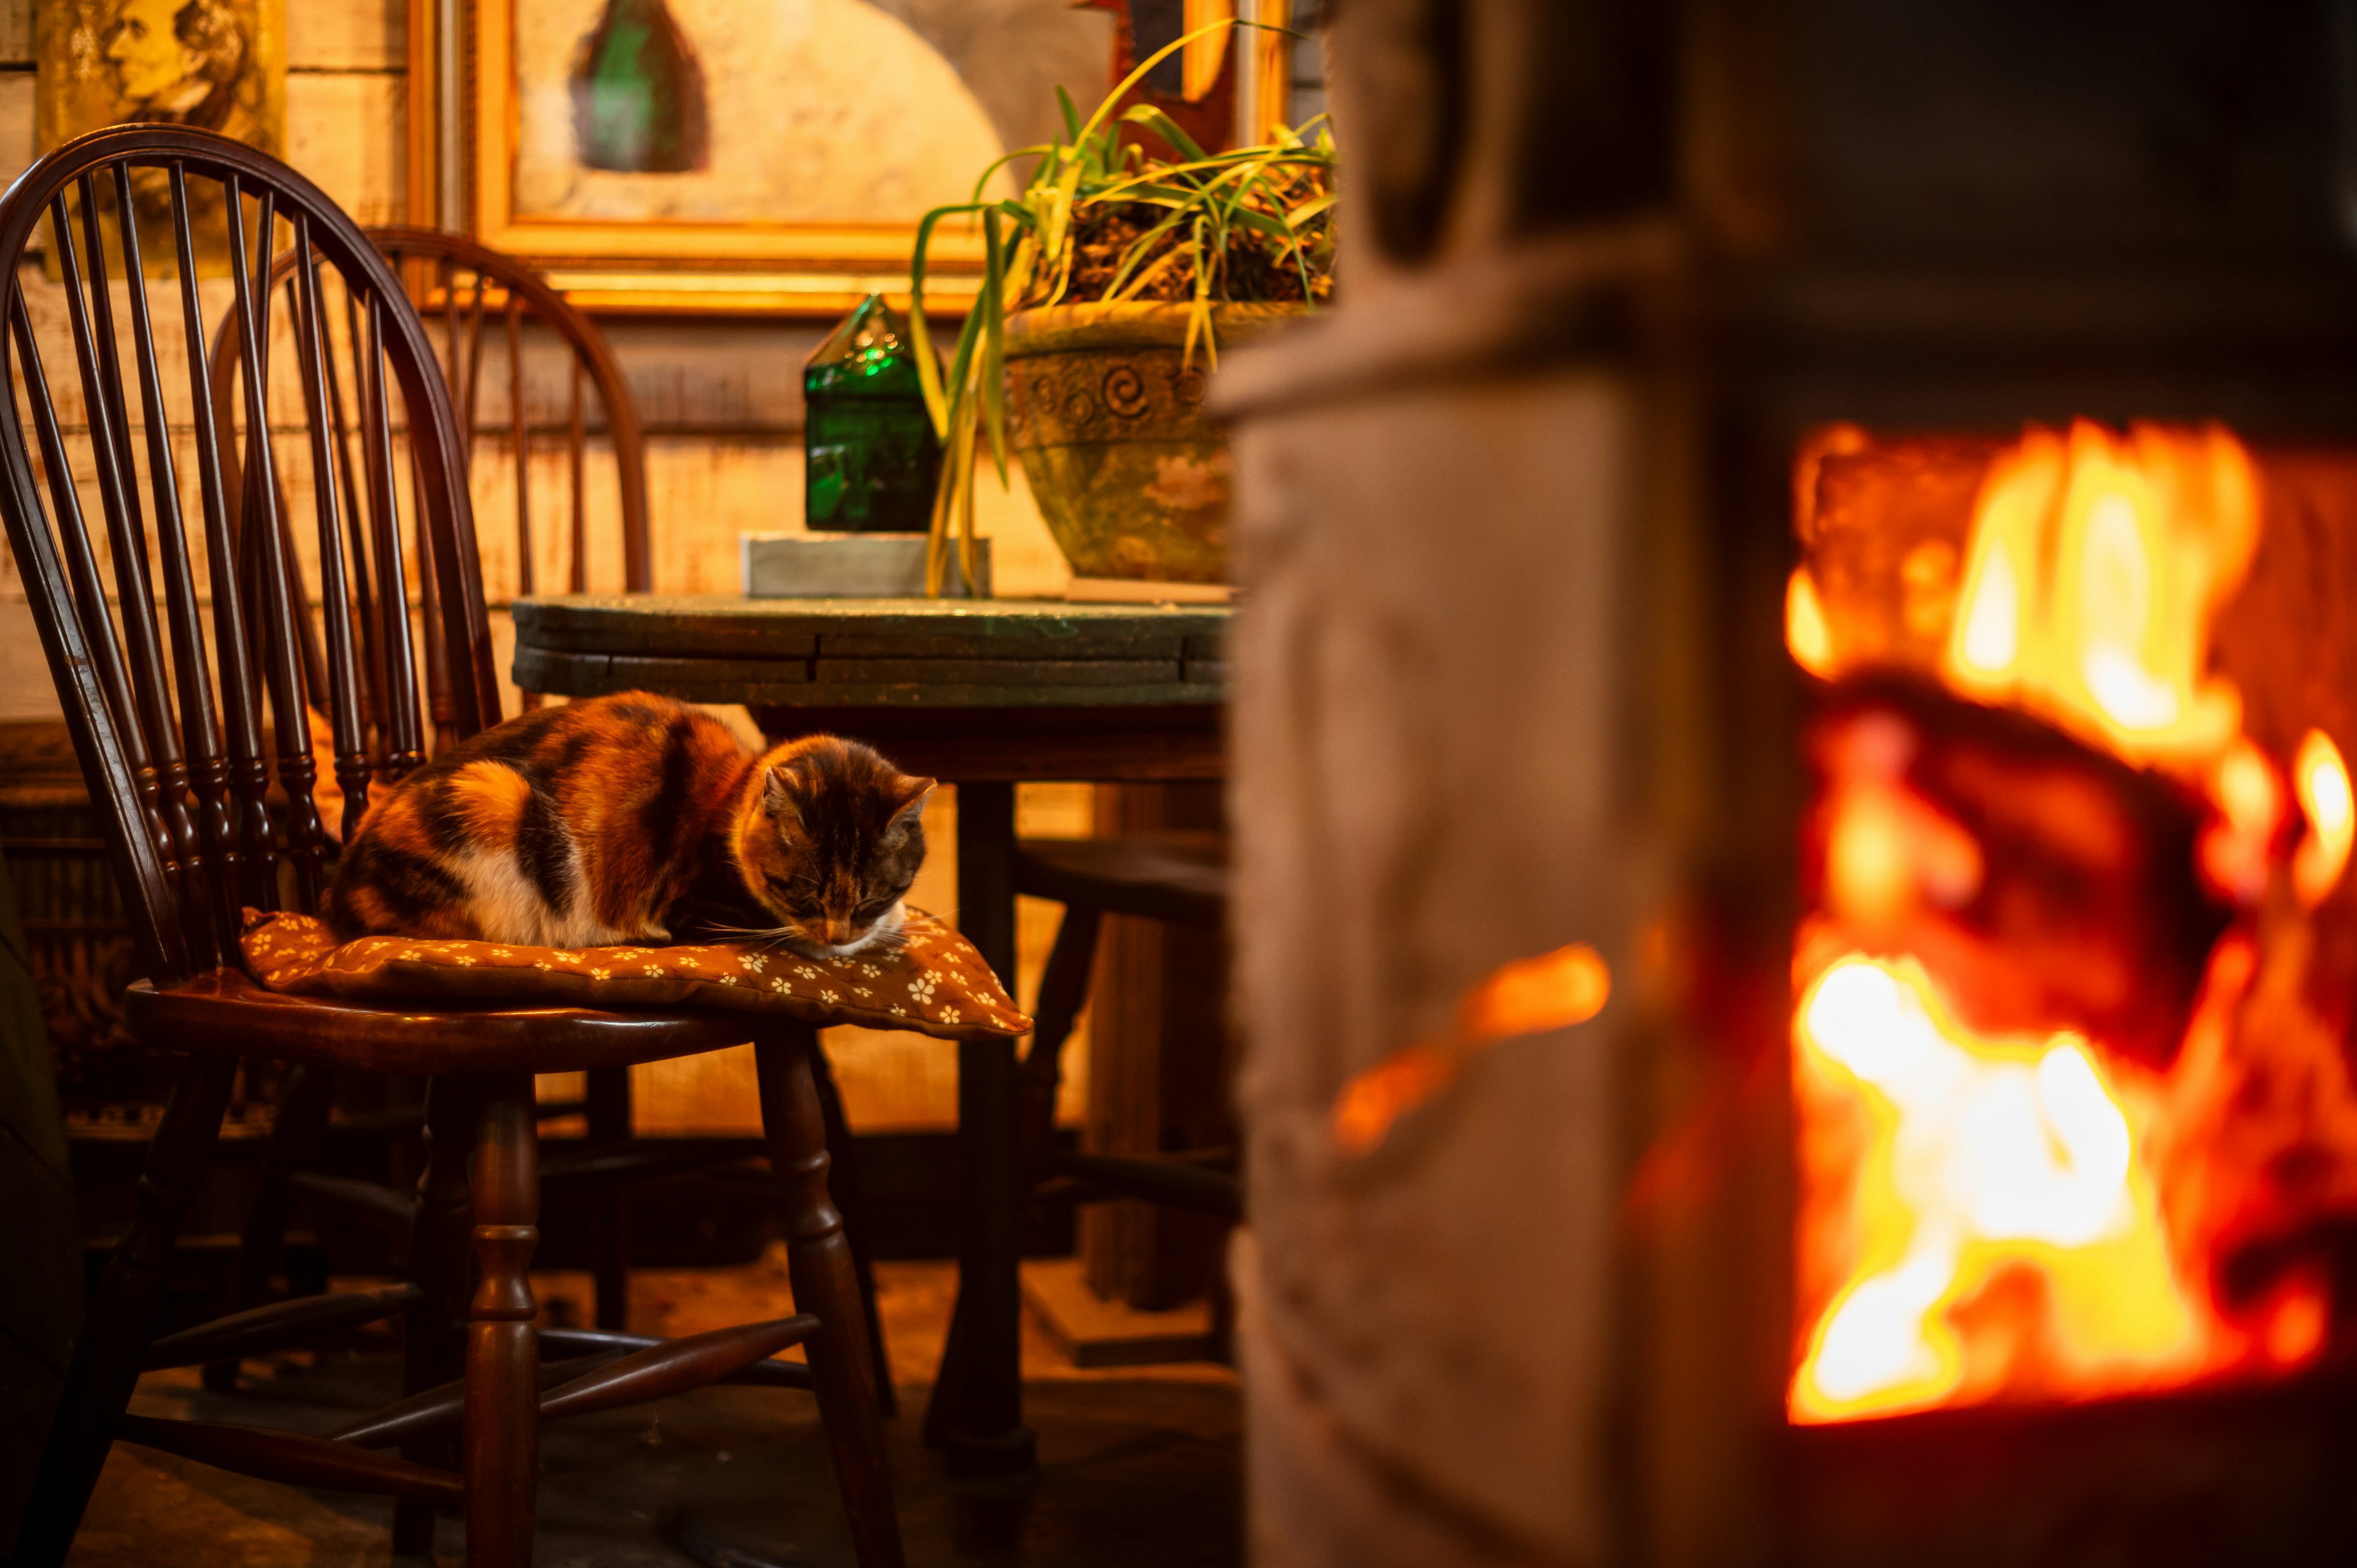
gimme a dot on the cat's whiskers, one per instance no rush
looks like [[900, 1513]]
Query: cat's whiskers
[[774, 935]]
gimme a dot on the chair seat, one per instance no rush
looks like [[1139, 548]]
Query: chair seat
[[225, 1013], [1181, 877]]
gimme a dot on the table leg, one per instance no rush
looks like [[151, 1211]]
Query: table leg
[[978, 1413]]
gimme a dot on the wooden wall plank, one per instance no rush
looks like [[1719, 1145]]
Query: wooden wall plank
[[744, 378], [15, 32], [343, 129], [16, 121], [348, 35]]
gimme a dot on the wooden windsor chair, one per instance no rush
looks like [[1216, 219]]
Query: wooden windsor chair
[[478, 304], [207, 807]]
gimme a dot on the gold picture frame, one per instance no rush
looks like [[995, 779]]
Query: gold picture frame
[[489, 108]]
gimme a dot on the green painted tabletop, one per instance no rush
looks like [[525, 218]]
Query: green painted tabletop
[[849, 653]]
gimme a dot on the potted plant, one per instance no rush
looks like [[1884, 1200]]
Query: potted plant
[[1109, 285]]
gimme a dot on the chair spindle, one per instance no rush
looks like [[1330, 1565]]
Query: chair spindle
[[249, 865], [209, 909], [281, 598], [343, 671]]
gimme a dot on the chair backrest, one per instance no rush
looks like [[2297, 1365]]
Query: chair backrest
[[462, 282], [206, 806]]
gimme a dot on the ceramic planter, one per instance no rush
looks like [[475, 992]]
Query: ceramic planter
[[1107, 415]]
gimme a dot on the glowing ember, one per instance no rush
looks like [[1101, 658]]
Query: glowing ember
[[1982, 1157]]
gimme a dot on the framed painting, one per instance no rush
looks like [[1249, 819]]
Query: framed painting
[[752, 156], [217, 65]]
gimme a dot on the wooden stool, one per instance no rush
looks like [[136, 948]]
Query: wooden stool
[[1179, 877]]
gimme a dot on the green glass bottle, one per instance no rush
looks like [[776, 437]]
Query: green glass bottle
[[638, 93], [870, 457]]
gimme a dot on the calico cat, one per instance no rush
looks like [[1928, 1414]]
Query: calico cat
[[637, 819]]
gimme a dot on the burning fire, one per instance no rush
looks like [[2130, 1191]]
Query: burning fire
[[2013, 1189], [1980, 1156], [2094, 567]]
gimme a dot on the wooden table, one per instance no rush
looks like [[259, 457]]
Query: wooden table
[[980, 693]]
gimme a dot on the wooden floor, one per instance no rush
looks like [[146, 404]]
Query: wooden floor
[[1139, 1467]]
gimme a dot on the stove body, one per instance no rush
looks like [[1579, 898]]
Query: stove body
[[1648, 298]]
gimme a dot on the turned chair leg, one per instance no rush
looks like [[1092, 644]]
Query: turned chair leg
[[609, 1123], [827, 1284], [502, 1423], [1063, 991], [121, 1318], [432, 1345], [851, 1198], [305, 1096]]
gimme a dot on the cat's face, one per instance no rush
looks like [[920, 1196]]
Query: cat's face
[[829, 841]]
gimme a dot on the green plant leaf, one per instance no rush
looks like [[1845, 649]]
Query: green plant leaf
[[1315, 207], [1164, 126], [928, 375], [993, 354]]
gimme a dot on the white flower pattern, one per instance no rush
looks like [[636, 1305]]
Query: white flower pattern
[[950, 991]]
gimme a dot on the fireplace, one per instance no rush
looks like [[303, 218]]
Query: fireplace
[[2074, 1118]]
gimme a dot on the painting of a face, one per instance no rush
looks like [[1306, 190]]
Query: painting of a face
[[207, 65], [149, 59]]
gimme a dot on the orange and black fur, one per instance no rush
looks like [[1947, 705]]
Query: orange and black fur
[[637, 819]]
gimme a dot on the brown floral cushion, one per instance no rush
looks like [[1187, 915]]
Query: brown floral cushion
[[936, 983]]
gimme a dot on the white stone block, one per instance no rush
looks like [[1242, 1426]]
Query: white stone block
[[845, 566]]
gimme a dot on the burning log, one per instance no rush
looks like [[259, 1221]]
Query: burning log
[[2053, 884]]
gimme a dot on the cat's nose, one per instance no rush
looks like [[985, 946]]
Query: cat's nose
[[833, 932]]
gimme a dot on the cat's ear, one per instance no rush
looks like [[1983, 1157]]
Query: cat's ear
[[919, 791], [778, 796]]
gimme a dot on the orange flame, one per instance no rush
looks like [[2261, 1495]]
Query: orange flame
[[2237, 848], [1805, 633], [1982, 1156], [2322, 781], [2094, 569]]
